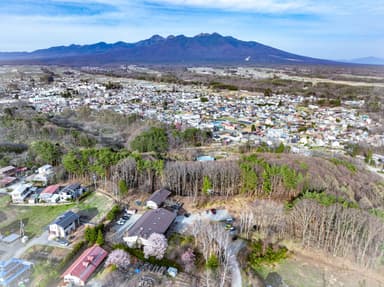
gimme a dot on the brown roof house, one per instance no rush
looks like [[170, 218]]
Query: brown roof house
[[157, 198], [153, 221]]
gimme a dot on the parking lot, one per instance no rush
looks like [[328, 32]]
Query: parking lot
[[118, 230]]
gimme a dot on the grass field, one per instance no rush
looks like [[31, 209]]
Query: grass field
[[4, 200], [36, 218], [304, 271], [97, 201]]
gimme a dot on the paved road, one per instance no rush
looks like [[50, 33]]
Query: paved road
[[16, 249], [41, 240], [235, 248]]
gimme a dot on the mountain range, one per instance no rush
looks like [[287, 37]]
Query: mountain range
[[366, 60], [201, 49]]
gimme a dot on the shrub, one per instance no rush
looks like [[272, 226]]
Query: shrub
[[111, 215], [269, 255], [212, 262]]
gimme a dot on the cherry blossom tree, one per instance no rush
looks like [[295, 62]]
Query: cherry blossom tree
[[188, 258], [119, 258], [156, 246]]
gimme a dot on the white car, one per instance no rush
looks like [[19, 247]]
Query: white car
[[120, 221]]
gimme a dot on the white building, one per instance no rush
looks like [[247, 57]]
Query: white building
[[21, 192], [64, 225]]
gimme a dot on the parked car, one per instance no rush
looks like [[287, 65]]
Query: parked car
[[62, 242], [120, 221], [213, 210], [131, 211], [126, 217], [228, 226]]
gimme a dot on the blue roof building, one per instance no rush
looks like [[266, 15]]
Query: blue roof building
[[14, 271], [205, 158]]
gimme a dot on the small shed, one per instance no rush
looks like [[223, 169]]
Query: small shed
[[205, 158], [11, 238], [172, 271], [157, 198]]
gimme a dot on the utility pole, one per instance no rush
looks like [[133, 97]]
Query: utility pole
[[21, 228]]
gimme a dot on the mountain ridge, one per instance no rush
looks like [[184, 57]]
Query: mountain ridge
[[202, 48], [367, 60]]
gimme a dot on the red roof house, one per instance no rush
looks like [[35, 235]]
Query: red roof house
[[80, 271], [47, 193], [51, 189]]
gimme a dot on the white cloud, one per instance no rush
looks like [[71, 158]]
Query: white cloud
[[283, 6], [263, 6]]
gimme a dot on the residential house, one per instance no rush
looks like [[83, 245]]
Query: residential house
[[7, 171], [21, 192], [43, 177], [7, 181], [50, 193], [82, 269], [64, 225], [157, 198], [14, 271], [153, 221], [71, 191], [45, 169]]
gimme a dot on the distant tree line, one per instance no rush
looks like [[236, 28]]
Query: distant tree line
[[160, 140]]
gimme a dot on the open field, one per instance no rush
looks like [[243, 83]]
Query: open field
[[308, 269], [36, 218], [95, 204], [46, 261]]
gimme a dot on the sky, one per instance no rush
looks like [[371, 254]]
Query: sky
[[329, 29]]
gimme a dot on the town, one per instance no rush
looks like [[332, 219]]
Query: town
[[234, 117], [197, 185]]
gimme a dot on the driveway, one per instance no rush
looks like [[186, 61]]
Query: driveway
[[17, 248], [235, 248], [40, 240], [121, 229], [183, 223]]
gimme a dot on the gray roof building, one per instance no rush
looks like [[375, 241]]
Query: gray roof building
[[66, 219], [153, 221], [158, 197]]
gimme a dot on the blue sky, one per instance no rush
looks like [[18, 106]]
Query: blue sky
[[338, 29]]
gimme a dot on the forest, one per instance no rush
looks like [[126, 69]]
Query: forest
[[328, 203]]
